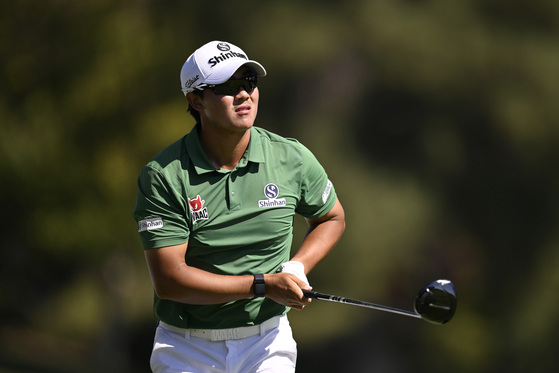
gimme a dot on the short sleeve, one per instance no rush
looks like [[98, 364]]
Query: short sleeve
[[318, 195], [160, 211]]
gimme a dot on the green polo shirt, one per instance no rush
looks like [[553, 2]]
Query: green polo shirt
[[237, 222]]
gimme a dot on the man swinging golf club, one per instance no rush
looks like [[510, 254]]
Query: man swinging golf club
[[215, 212]]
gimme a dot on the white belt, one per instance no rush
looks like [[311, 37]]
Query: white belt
[[225, 334]]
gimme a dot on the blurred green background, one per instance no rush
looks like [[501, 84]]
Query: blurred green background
[[436, 120]]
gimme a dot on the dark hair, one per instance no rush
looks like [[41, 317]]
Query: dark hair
[[195, 114]]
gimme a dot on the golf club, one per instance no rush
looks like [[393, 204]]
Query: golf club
[[435, 303]]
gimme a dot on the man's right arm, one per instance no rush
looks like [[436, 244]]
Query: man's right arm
[[173, 279]]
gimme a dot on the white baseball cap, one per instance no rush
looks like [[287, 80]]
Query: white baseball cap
[[214, 63]]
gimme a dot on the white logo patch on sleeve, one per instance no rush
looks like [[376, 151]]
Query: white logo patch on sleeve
[[326, 192], [150, 224]]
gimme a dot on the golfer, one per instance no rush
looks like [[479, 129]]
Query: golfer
[[215, 218]]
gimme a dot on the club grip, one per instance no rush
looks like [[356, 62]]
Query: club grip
[[310, 294]]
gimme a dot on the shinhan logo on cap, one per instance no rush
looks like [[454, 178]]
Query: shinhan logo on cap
[[224, 47]]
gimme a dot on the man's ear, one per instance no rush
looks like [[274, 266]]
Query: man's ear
[[195, 101]]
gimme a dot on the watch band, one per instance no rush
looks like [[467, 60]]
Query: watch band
[[259, 286]]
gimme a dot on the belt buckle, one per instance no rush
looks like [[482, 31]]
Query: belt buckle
[[225, 334]]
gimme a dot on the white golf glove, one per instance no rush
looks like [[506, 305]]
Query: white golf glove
[[295, 268]]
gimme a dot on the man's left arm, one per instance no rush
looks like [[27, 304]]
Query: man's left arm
[[323, 234]]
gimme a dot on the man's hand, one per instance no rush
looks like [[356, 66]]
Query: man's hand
[[285, 288], [296, 268]]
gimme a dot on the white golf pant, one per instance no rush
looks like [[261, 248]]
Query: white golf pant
[[175, 351]]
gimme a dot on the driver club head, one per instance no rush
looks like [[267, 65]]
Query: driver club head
[[436, 302]]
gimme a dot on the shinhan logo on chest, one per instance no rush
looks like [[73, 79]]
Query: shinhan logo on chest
[[271, 191]]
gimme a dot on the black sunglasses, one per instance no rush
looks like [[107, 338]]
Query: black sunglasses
[[233, 86]]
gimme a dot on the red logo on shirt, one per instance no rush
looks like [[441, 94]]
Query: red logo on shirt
[[199, 212], [196, 204]]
